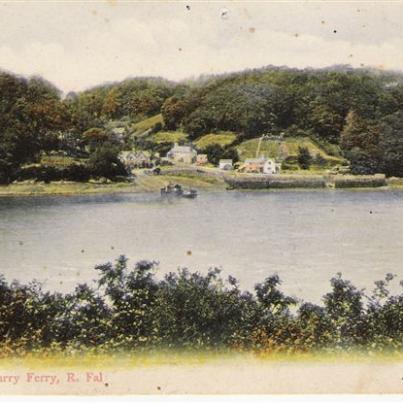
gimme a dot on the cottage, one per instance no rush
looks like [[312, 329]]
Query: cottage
[[253, 165], [260, 165], [271, 167], [186, 154], [201, 159], [133, 159], [225, 165], [118, 133]]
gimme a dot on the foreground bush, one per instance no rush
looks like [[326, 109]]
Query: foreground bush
[[131, 308]]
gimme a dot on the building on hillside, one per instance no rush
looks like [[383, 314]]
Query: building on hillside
[[201, 159], [260, 166], [271, 167], [135, 159], [225, 165], [186, 154], [253, 165], [118, 134]]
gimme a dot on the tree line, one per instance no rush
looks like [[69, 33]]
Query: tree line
[[129, 308], [359, 110]]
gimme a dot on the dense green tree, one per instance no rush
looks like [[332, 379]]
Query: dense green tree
[[304, 158], [248, 108], [133, 98], [324, 121], [214, 153], [111, 103], [360, 143], [173, 110], [94, 137], [104, 162], [391, 144], [231, 153], [31, 116]]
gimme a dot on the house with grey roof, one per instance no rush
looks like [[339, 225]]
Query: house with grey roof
[[185, 154]]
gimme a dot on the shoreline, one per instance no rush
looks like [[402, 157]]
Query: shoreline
[[153, 183], [143, 184]]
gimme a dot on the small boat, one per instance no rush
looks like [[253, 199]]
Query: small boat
[[172, 190], [178, 191], [189, 194]]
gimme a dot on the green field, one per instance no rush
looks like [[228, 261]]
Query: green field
[[281, 149], [143, 183], [222, 138], [59, 160], [146, 124], [169, 137], [32, 188]]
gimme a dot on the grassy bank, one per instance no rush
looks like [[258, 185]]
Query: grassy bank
[[394, 182], [289, 147], [207, 181], [155, 183], [63, 188], [144, 183], [222, 139]]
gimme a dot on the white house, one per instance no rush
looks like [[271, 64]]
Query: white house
[[225, 165], [271, 167], [185, 154], [260, 165]]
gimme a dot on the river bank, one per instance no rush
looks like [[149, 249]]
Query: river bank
[[143, 184], [201, 179], [316, 181]]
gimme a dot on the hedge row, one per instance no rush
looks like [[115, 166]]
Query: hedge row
[[130, 308], [46, 173]]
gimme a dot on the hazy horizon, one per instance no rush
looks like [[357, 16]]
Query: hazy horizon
[[78, 45]]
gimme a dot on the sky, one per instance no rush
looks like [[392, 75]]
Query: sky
[[79, 44]]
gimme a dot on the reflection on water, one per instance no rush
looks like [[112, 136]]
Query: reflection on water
[[304, 236]]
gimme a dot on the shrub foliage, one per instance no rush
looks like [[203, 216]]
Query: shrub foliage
[[130, 308]]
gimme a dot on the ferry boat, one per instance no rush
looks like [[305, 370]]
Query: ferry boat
[[177, 191], [189, 194]]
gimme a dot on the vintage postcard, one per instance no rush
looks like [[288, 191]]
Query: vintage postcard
[[201, 197]]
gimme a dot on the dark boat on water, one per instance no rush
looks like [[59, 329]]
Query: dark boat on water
[[172, 190], [177, 191], [189, 194]]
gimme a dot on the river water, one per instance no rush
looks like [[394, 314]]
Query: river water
[[304, 236]]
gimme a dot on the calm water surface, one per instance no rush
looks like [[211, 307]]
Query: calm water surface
[[304, 236]]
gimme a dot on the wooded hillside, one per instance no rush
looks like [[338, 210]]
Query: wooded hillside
[[359, 111]]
